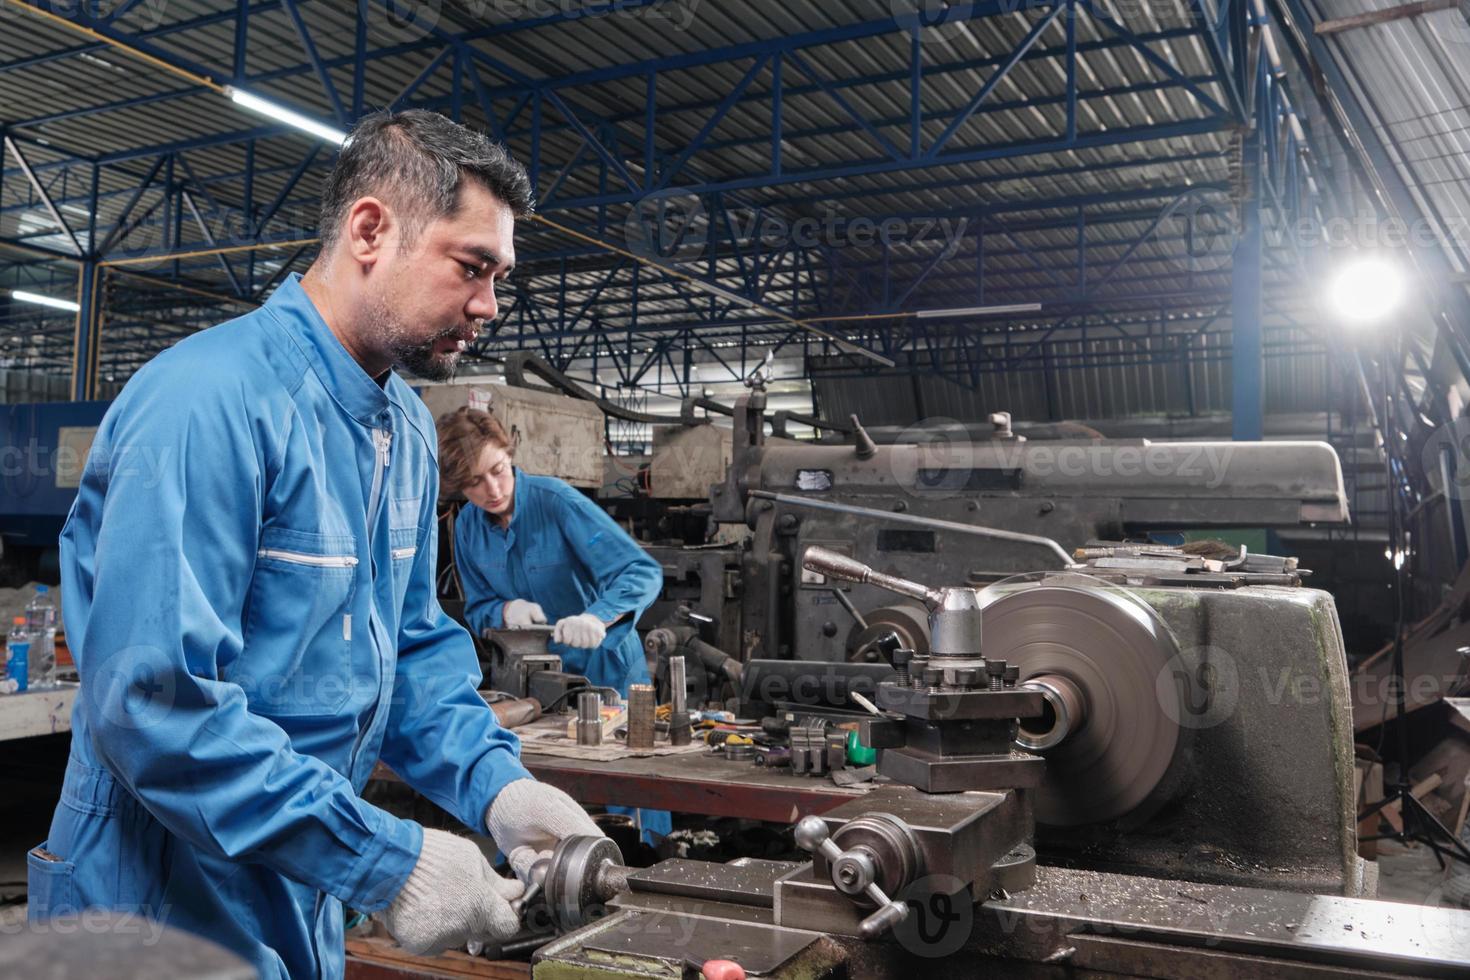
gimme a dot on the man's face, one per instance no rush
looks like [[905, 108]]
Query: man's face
[[492, 482], [433, 298]]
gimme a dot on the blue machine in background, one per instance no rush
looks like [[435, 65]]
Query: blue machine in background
[[42, 450]]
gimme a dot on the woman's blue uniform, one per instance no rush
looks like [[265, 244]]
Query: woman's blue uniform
[[562, 552]]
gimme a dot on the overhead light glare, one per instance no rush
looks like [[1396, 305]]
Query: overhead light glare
[[1366, 290], [22, 296], [290, 117]]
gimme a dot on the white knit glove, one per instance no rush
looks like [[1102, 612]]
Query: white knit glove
[[527, 818], [452, 896], [520, 613], [583, 631]]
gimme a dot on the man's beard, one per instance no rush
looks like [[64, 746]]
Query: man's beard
[[410, 353], [420, 359]]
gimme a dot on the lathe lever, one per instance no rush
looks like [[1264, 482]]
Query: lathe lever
[[854, 872]]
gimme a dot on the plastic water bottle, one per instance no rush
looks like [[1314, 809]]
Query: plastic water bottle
[[17, 657], [41, 624]]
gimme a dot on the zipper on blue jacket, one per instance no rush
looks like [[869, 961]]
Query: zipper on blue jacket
[[382, 444]]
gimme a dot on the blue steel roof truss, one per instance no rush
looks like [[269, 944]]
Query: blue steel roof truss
[[1092, 257]]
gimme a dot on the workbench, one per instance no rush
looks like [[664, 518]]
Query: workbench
[[693, 784], [32, 713]]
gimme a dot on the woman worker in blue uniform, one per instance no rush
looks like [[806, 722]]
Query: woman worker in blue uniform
[[531, 550]]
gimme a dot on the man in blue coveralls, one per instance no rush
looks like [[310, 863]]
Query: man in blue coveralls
[[249, 570]]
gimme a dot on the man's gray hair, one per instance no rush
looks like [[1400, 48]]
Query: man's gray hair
[[416, 161]]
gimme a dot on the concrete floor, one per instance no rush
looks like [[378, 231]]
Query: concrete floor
[[1410, 875]]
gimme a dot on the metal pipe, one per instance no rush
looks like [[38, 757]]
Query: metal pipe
[[930, 522], [512, 714]]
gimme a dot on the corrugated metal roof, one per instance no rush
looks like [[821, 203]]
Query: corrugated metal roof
[[1411, 75], [600, 66]]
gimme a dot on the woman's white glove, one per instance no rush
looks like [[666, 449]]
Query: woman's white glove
[[452, 897], [583, 631], [527, 818], [520, 613]]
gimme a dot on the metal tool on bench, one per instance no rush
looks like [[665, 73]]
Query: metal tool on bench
[[520, 664]]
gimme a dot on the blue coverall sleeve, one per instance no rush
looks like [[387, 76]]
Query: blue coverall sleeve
[[628, 580], [178, 512], [484, 608], [442, 738]]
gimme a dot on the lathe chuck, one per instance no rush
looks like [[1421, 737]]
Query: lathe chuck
[[1103, 650]]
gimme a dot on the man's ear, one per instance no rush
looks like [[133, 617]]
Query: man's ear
[[371, 230]]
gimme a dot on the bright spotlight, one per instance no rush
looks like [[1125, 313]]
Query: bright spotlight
[[1366, 290]]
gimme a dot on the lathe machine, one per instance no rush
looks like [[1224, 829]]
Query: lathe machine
[[1192, 812]]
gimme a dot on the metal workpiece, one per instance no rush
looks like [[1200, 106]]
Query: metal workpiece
[[583, 874], [1064, 711], [680, 731], [589, 719], [512, 712], [641, 707]]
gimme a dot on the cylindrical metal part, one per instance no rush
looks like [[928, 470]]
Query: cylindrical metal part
[[640, 716], [583, 874], [1065, 710], [521, 711], [679, 726], [954, 624], [678, 685], [589, 719]]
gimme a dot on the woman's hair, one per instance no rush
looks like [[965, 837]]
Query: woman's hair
[[463, 435]]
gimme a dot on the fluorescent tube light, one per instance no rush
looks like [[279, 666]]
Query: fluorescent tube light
[[290, 117], [22, 296]]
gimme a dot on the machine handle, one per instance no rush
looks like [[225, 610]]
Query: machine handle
[[839, 566], [812, 836], [537, 874]]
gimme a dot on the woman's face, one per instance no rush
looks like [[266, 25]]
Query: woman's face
[[492, 482]]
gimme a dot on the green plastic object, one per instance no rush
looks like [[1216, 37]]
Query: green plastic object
[[859, 754]]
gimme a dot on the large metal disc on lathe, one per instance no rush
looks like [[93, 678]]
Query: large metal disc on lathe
[[1112, 647]]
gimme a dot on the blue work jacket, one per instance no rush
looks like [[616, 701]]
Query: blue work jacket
[[562, 552], [248, 575]]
